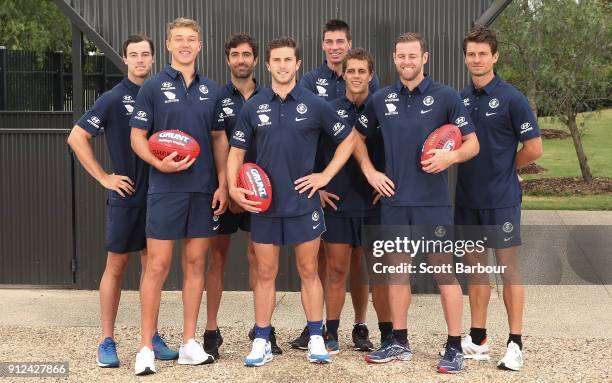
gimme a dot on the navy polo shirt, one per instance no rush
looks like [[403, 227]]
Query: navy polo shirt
[[286, 133], [112, 111], [326, 84], [164, 103], [405, 120], [229, 106], [350, 184], [502, 117]]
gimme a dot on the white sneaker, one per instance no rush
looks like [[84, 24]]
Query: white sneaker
[[145, 362], [317, 353], [192, 352], [261, 353], [513, 360], [472, 350]]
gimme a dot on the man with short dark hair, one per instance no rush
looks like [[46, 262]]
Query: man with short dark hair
[[328, 82], [489, 193], [285, 121], [241, 54], [185, 198], [127, 185], [415, 192]]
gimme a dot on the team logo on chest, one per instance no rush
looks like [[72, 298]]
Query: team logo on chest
[[203, 89], [301, 108], [493, 103], [428, 101], [466, 102]]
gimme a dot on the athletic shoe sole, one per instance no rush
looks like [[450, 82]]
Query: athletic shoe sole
[[105, 365], [387, 360], [319, 361], [146, 371], [502, 366], [258, 364], [443, 370], [479, 357], [186, 361]]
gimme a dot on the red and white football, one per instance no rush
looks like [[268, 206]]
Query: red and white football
[[165, 142], [447, 137], [253, 178]]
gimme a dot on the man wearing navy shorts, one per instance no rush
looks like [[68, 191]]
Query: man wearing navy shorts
[[416, 192], [328, 82], [241, 54], [489, 193], [186, 197], [285, 122], [126, 201], [349, 203]]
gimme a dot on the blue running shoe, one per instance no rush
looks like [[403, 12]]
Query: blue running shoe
[[331, 344], [390, 350], [317, 353], [261, 353], [107, 353], [161, 349], [451, 362]]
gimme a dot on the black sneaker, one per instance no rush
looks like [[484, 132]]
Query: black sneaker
[[275, 349], [361, 337], [212, 341], [301, 342], [252, 334]]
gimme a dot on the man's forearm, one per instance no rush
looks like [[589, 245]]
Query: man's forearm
[[81, 147], [342, 154], [140, 145]]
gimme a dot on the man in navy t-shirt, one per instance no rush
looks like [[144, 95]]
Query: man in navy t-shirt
[[416, 192], [328, 82], [349, 203], [127, 185], [241, 54], [185, 198], [285, 121], [489, 193]]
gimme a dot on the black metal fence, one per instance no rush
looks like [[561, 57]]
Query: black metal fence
[[43, 82]]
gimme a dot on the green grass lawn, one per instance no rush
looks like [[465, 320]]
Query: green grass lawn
[[560, 160]]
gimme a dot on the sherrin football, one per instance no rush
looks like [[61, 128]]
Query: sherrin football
[[447, 137], [253, 178], [165, 142]]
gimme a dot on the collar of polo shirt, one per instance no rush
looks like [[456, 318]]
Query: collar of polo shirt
[[422, 87]]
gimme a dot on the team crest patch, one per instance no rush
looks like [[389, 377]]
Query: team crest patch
[[494, 103], [507, 227], [315, 215], [466, 102], [302, 108], [428, 101], [440, 231], [203, 89]]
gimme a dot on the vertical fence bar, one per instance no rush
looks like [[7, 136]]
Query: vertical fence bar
[[3, 82]]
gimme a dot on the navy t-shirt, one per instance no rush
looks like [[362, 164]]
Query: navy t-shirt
[[326, 84], [230, 104], [502, 117], [112, 111], [165, 103], [405, 120], [350, 184], [286, 133]]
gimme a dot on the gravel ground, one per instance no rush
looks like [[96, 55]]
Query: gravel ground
[[567, 339]]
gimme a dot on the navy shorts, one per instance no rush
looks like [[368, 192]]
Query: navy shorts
[[230, 222], [501, 227], [125, 229], [346, 230], [181, 215], [287, 230], [429, 222]]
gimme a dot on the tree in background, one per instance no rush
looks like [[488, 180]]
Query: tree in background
[[558, 52], [36, 25]]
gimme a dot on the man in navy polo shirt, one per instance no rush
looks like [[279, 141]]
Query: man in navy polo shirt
[[489, 193], [328, 82], [285, 122], [349, 203], [241, 53], [126, 202], [185, 198], [416, 192]]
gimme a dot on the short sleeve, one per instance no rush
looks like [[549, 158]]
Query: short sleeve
[[96, 118], [308, 82], [374, 84], [524, 122], [143, 114], [331, 123], [458, 114], [367, 122], [243, 131]]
